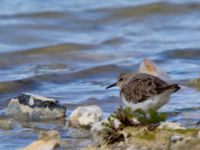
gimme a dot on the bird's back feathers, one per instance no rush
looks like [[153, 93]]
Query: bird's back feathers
[[142, 86]]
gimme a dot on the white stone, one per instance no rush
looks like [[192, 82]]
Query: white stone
[[31, 101], [116, 123], [135, 121], [42, 98], [85, 116], [170, 125]]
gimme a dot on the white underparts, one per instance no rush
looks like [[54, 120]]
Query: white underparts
[[154, 102]]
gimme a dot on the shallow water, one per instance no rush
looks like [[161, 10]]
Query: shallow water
[[71, 50]]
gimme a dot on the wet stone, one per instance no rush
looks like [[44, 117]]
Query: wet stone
[[35, 107], [47, 140]]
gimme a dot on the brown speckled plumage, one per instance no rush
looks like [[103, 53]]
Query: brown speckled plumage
[[140, 87]]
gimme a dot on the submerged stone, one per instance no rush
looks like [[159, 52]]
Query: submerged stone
[[85, 116], [35, 107]]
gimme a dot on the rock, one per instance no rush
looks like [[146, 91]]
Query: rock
[[170, 125], [78, 133], [132, 147], [144, 148], [194, 83], [75, 144], [7, 124], [85, 116], [149, 67], [34, 107], [140, 138], [48, 140], [116, 123], [186, 143], [97, 130], [176, 138]]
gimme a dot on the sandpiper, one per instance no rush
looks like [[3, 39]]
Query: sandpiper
[[150, 67], [143, 91]]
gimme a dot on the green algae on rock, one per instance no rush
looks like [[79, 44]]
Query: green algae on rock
[[141, 137], [125, 129], [137, 118], [111, 129]]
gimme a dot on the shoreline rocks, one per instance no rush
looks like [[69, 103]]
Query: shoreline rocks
[[139, 138], [110, 134], [85, 116], [119, 131], [34, 107]]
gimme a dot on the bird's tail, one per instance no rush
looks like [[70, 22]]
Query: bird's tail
[[173, 87]]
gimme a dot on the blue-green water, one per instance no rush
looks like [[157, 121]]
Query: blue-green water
[[71, 50]]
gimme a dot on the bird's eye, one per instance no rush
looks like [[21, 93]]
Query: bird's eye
[[120, 79]]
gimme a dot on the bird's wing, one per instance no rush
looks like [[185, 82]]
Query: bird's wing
[[142, 87]]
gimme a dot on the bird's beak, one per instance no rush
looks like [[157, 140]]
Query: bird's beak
[[112, 85]]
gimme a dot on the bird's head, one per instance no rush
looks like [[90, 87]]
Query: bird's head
[[122, 79]]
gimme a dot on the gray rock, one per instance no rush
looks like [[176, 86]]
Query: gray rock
[[34, 107]]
